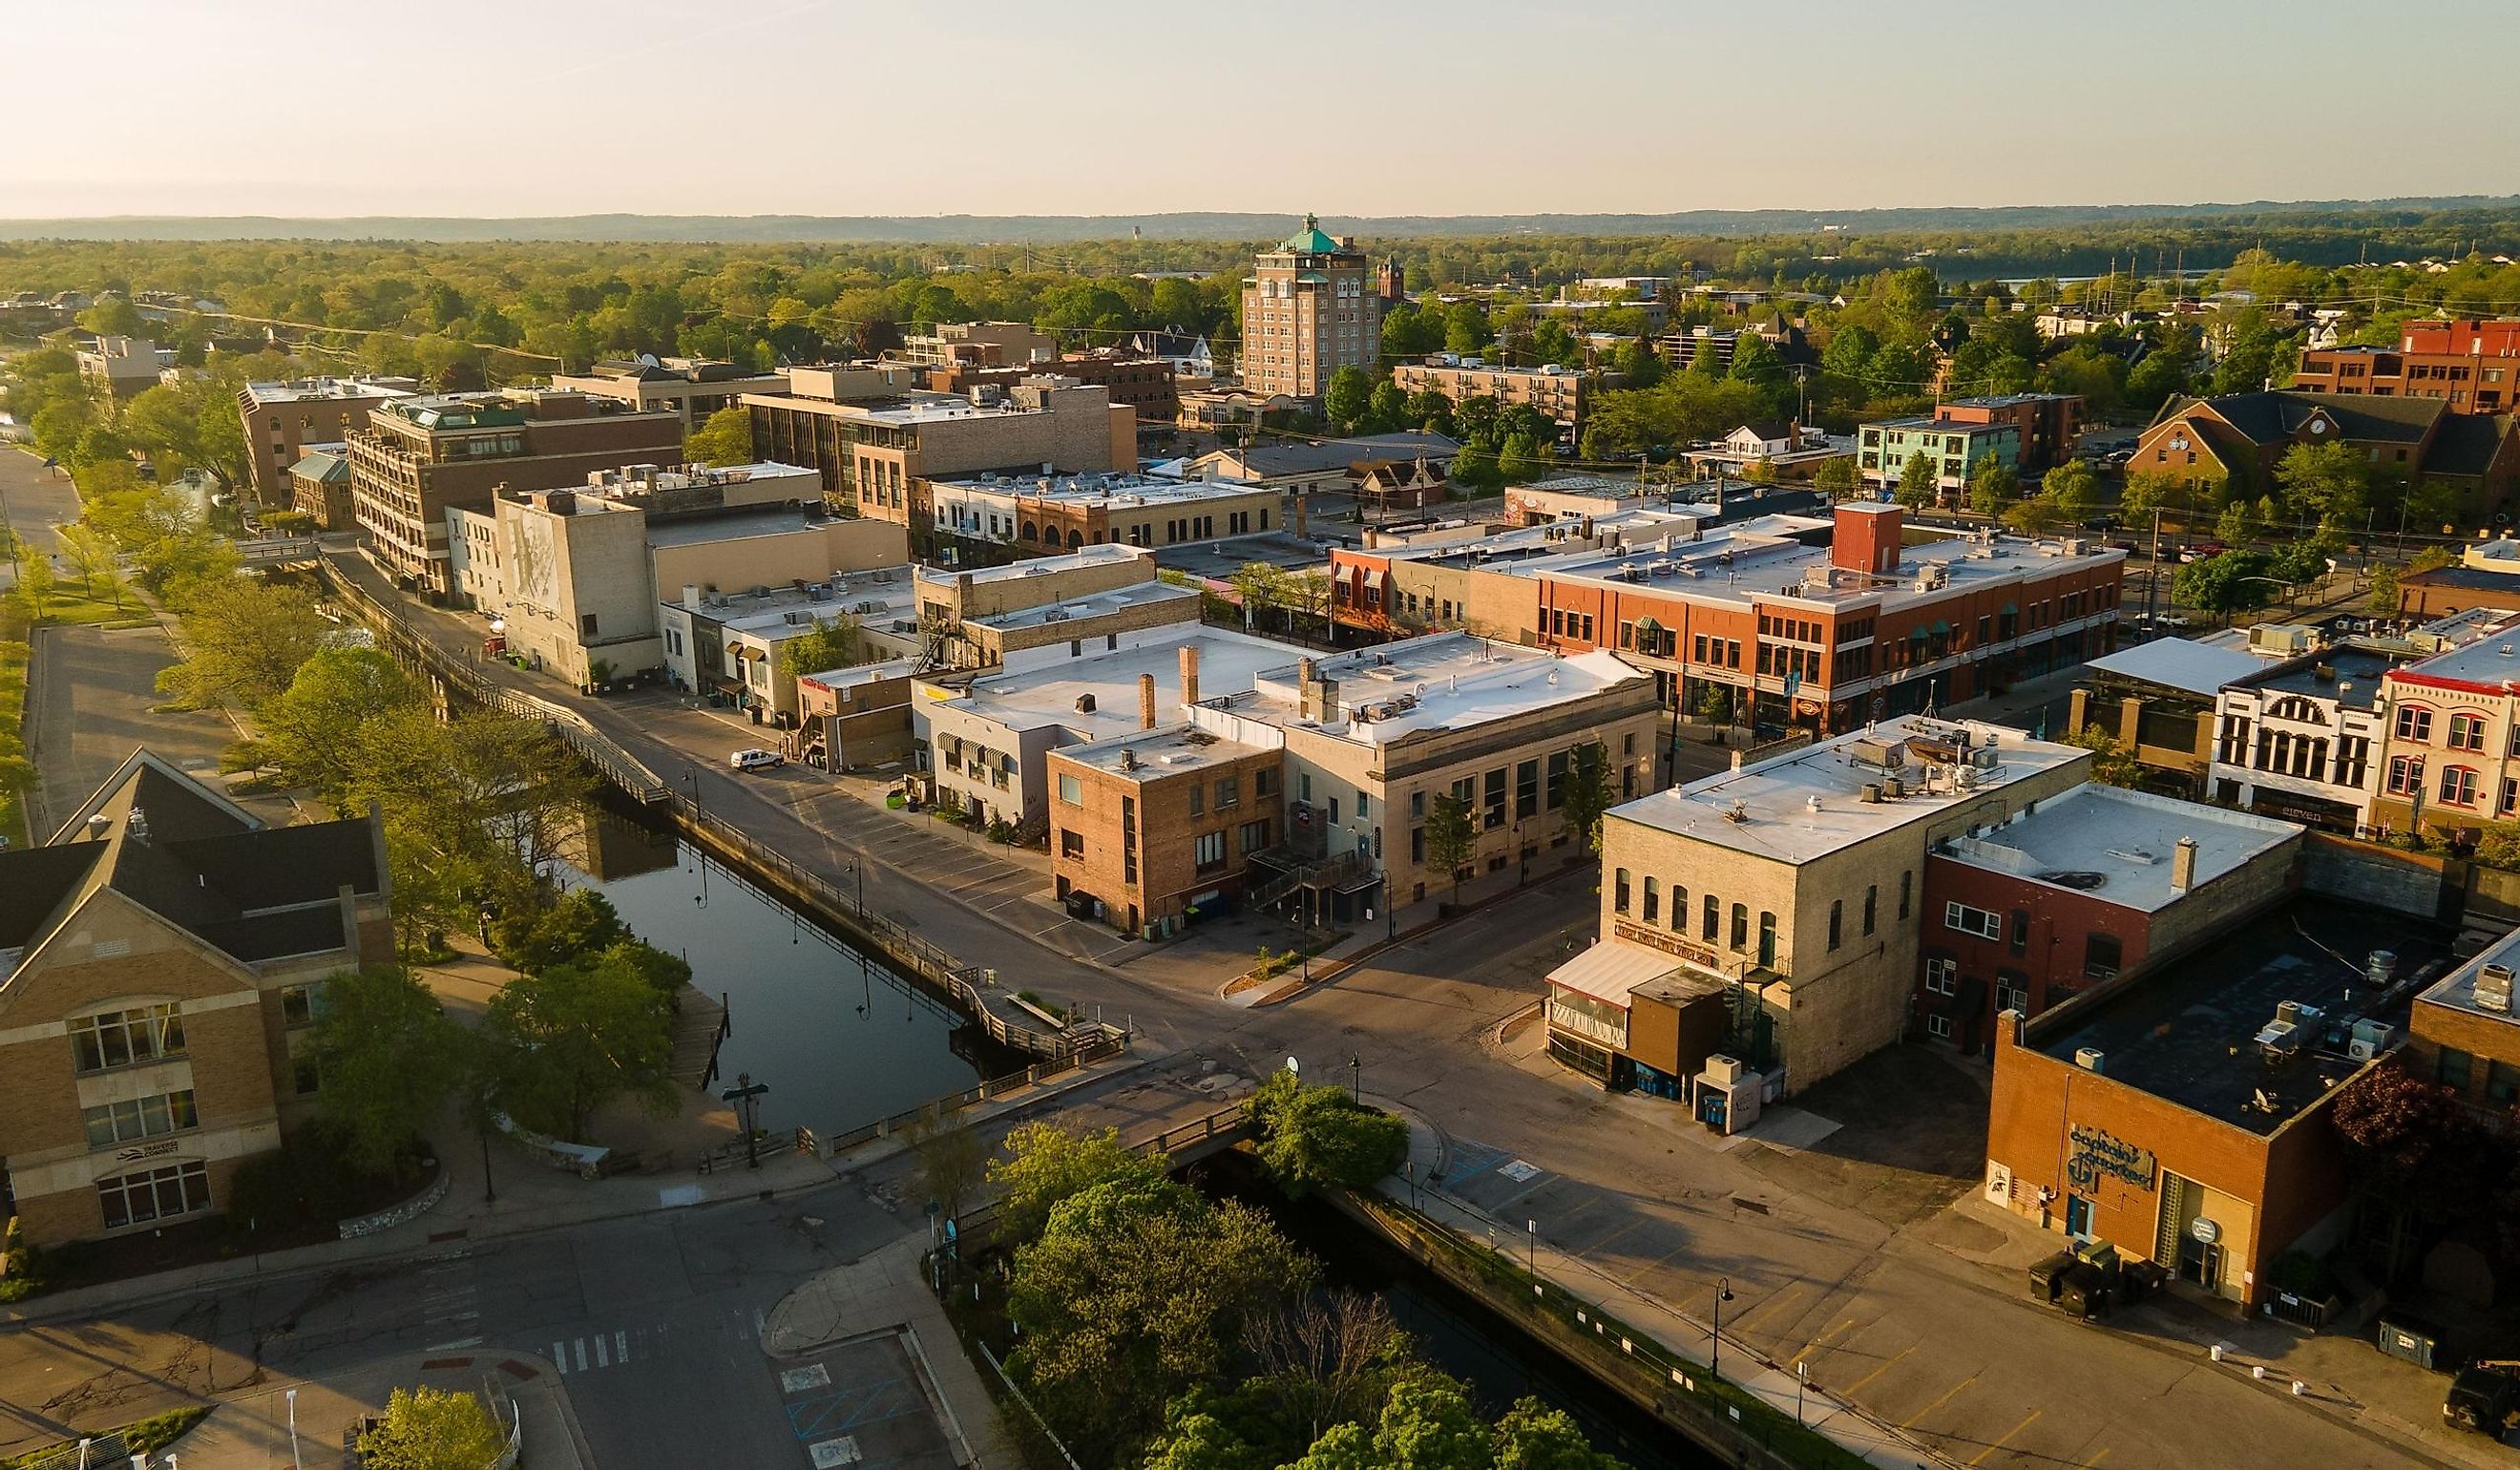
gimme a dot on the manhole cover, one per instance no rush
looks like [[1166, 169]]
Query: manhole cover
[[800, 1380]]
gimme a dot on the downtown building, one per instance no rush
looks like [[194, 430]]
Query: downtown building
[[1310, 308], [2472, 366], [284, 420], [419, 458]]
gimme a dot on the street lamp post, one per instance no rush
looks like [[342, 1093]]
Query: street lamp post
[[293, 1431], [744, 1094], [857, 869], [1531, 1247], [1356, 1079], [1715, 1348]]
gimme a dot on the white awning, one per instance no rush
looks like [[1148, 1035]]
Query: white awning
[[1611, 970]]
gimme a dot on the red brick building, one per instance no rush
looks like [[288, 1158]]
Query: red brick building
[[2095, 887], [2047, 423], [2472, 365]]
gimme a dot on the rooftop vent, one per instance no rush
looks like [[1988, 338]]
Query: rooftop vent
[[2091, 1058], [1085, 705], [1737, 814], [2494, 989]]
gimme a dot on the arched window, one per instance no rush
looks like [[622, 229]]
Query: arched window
[[1619, 893], [1653, 901], [1031, 532]]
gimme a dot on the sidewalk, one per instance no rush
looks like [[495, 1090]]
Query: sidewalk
[[884, 1293], [1675, 1331], [253, 1433]]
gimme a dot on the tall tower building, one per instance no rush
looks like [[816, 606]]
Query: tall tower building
[[1307, 312]]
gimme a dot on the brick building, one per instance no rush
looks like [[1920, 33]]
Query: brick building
[[2240, 439], [1308, 310], [1151, 828], [1557, 391], [877, 449], [2471, 365], [319, 485], [160, 957], [1045, 515], [693, 388], [2305, 740], [2096, 884], [2045, 424], [2452, 761], [1952, 445], [2183, 1117], [284, 420], [419, 458], [1145, 384], [2463, 1034]]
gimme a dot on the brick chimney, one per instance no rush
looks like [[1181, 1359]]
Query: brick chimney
[[2183, 866], [1189, 673], [1145, 702], [1867, 537]]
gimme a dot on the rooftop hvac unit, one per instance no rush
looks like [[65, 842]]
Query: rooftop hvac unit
[[2381, 967], [2494, 989], [2091, 1058], [2369, 1040], [2294, 1013], [1725, 1071], [2281, 1039]]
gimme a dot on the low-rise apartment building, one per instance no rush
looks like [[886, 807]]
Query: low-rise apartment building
[[878, 452], [2471, 365], [693, 388], [2095, 885], [285, 422], [419, 457], [162, 956], [1953, 446], [124, 366], [1797, 885], [1554, 391], [2045, 424]]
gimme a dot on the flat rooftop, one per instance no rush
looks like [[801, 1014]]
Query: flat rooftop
[[1034, 566], [1031, 700], [2492, 658], [2457, 990], [2348, 674], [1443, 681], [2188, 1032], [1116, 491], [331, 389], [1675, 538], [1776, 556], [2183, 664], [1807, 803], [1096, 604], [2117, 845], [1221, 558], [730, 525], [1153, 754]]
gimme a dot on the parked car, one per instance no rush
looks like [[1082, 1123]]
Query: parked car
[[756, 759], [2171, 619]]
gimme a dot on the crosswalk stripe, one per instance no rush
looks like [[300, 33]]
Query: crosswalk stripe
[[582, 1355], [621, 1346], [601, 1360], [560, 1355]]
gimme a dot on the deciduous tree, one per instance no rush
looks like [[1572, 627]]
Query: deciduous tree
[[385, 1058], [1319, 1138], [1451, 838], [725, 437], [595, 1031], [433, 1429]]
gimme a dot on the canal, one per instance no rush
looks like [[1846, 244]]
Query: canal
[[1455, 1331], [841, 1039]]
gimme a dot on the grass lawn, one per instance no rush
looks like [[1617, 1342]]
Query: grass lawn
[[12, 704], [76, 602]]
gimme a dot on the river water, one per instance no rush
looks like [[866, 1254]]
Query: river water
[[840, 1039]]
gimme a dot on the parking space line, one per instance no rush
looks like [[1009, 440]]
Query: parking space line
[[2007, 1435], [2095, 1459], [1813, 1348], [1883, 1367], [1948, 1395]]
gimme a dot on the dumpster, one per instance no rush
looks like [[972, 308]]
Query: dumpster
[[2047, 1277], [2404, 1335]]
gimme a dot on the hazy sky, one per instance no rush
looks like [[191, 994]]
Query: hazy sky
[[1357, 107]]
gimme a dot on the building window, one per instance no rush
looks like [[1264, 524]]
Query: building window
[[1939, 1028], [2454, 1069], [1071, 790], [1653, 901], [111, 1122], [2501, 1081], [1556, 780], [1264, 782], [1198, 798], [1740, 928], [1942, 976], [1907, 886], [120, 1037], [130, 1199], [300, 1004], [1071, 843], [2458, 785], [2466, 733], [2103, 955], [2021, 931], [1255, 835], [1526, 790], [1495, 798], [1619, 892], [1209, 851], [2414, 724], [2406, 775], [1229, 791], [1961, 918], [1872, 903], [1837, 922], [1714, 919], [2012, 992]]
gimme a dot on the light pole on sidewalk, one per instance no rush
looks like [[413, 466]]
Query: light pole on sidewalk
[[857, 869], [1356, 1079], [293, 1430], [1531, 1248], [1715, 1348]]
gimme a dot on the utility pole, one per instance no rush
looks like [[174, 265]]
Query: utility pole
[[745, 1095], [2152, 574]]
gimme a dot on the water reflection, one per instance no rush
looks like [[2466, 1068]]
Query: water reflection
[[839, 1038]]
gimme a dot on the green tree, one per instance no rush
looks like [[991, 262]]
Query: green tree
[[1427, 1424], [1917, 483], [37, 589], [2232, 583], [385, 1058], [1319, 1138], [309, 733], [2385, 592], [839, 644], [1388, 409], [725, 437], [1477, 469], [1451, 838], [1348, 399], [2037, 515], [1992, 485], [92, 555], [1135, 1291], [952, 1159], [595, 1031], [1523, 460], [2074, 489], [2150, 490], [1466, 328], [1587, 795], [433, 1429], [1838, 478], [1045, 1164], [1532, 1436], [2327, 483], [537, 937], [2112, 764], [243, 641], [2238, 524]]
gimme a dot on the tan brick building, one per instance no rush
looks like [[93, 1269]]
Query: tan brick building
[[693, 388], [1150, 828], [1555, 389], [2465, 1036], [1309, 308], [159, 956]]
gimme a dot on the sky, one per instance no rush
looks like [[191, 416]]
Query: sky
[[321, 108]]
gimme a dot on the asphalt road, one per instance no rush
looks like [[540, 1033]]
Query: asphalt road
[[655, 1322], [37, 498]]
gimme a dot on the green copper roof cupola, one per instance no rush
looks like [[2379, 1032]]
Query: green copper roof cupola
[[1312, 242]]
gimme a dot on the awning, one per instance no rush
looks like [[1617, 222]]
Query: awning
[[1611, 970]]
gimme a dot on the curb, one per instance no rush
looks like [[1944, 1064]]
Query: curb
[[1340, 968]]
